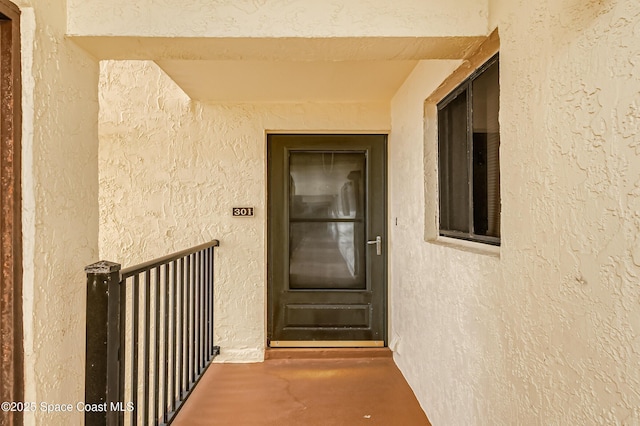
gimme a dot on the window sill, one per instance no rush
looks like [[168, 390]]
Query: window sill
[[469, 246]]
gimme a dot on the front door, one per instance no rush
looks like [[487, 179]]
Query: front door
[[327, 240]]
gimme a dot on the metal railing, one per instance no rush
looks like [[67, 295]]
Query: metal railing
[[149, 336]]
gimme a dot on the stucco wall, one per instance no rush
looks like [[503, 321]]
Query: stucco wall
[[261, 18], [444, 326], [546, 333], [171, 169], [60, 207]]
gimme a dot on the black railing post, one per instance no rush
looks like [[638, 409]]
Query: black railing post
[[103, 341]]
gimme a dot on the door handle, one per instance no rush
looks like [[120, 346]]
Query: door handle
[[378, 243]]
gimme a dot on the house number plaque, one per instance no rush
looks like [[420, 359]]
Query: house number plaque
[[243, 212]]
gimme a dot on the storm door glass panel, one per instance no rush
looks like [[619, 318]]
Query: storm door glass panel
[[326, 220]]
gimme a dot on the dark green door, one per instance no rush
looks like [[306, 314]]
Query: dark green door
[[327, 240]]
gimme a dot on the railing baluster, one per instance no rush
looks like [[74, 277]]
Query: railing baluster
[[189, 322], [194, 324], [196, 318], [205, 316], [156, 350], [146, 354], [205, 310], [203, 319], [134, 347], [207, 343], [183, 325], [201, 313], [211, 302], [165, 352], [174, 341], [122, 349], [210, 288], [194, 339]]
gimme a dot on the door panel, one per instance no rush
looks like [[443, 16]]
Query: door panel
[[326, 200], [310, 315]]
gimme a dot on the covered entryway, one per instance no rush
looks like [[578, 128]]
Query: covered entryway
[[327, 237]]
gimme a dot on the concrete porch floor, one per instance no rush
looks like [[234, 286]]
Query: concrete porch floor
[[329, 387]]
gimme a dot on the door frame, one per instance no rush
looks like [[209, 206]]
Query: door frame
[[384, 309], [11, 334]]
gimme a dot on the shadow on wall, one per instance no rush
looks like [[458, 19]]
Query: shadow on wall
[[573, 16]]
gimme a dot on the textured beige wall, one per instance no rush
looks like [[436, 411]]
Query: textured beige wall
[[60, 210], [262, 18], [548, 331], [171, 169], [544, 333], [445, 332], [572, 127]]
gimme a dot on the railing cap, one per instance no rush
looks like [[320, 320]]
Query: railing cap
[[102, 267]]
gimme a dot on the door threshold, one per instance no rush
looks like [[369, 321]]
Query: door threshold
[[327, 344], [326, 353]]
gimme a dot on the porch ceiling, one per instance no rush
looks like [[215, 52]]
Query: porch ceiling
[[341, 69], [259, 81]]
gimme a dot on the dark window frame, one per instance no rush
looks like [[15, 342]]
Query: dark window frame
[[444, 183]]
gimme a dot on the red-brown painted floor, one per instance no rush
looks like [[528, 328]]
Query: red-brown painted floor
[[294, 388]]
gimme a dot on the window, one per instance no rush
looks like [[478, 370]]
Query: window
[[468, 158]]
